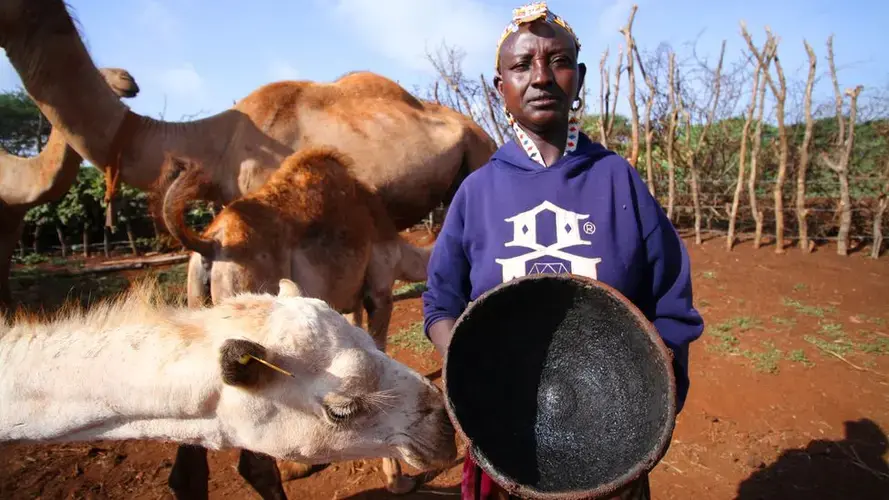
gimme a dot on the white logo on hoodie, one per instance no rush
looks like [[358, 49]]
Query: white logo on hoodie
[[524, 226]]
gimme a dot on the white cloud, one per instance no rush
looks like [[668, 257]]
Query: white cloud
[[282, 70], [181, 81], [403, 29]]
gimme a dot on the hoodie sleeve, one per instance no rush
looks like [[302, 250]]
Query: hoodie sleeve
[[672, 313], [447, 285]]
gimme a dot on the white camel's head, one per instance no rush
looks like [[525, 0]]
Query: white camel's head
[[343, 398]]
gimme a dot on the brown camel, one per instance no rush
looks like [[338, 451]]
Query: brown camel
[[29, 182], [311, 223], [413, 153]]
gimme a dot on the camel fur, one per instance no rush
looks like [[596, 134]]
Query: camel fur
[[311, 223], [414, 153], [29, 182], [136, 368]]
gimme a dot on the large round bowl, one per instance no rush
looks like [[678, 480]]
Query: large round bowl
[[560, 387]]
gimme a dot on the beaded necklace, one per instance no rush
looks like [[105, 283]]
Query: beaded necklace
[[531, 149]]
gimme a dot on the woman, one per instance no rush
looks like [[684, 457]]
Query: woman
[[563, 203]]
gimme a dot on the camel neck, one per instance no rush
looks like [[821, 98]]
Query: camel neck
[[59, 75], [133, 380], [26, 182]]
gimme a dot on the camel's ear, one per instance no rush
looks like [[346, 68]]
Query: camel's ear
[[238, 365], [287, 288]]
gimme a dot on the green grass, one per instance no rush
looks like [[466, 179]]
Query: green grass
[[799, 287], [412, 338], [878, 345], [171, 282], [840, 347], [778, 320], [765, 361], [799, 356], [728, 342], [832, 330], [410, 289], [801, 308], [710, 275]]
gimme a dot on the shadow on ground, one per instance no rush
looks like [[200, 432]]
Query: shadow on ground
[[851, 468]]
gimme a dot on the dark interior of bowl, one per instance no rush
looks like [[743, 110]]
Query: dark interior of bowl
[[558, 386]]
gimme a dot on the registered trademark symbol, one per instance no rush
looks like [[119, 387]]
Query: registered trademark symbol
[[589, 228]]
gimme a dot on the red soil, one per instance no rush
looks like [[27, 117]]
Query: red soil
[[759, 423]]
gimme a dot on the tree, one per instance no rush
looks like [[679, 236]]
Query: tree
[[801, 210], [844, 152], [742, 155], [23, 130]]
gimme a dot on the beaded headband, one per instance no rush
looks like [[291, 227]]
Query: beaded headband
[[529, 13]]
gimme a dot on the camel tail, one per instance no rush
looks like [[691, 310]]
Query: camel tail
[[190, 183], [414, 261]]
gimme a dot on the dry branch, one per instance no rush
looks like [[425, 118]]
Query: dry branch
[[604, 92], [617, 70], [631, 89], [838, 96], [757, 144], [882, 204], [671, 136], [649, 131], [801, 211], [693, 155], [488, 99], [780, 93], [742, 157], [112, 266], [841, 168]]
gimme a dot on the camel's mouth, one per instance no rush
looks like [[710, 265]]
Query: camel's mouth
[[424, 455], [424, 460]]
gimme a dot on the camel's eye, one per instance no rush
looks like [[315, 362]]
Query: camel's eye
[[340, 412]]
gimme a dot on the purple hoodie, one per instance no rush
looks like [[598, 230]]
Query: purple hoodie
[[589, 213]]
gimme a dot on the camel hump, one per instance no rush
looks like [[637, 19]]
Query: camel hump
[[369, 84]]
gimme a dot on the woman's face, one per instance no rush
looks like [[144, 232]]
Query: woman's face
[[539, 75]]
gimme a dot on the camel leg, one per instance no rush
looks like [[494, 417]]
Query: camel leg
[[356, 317], [261, 472], [378, 301], [190, 474], [198, 282], [379, 304], [10, 234]]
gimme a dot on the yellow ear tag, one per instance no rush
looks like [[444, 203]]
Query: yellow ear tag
[[247, 357]]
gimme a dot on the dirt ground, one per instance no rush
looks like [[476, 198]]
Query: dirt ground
[[789, 393]]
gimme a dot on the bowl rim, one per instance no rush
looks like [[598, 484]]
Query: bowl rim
[[645, 465]]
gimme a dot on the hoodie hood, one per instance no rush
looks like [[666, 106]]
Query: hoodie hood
[[511, 155]]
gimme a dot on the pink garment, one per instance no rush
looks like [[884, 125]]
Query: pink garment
[[638, 490], [467, 486]]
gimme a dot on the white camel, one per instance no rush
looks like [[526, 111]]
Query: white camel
[[284, 375]]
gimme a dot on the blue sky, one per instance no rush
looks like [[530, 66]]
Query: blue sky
[[196, 57]]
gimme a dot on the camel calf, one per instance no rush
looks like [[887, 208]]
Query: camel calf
[[312, 223]]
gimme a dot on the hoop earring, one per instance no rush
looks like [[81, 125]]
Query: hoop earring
[[577, 104]]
